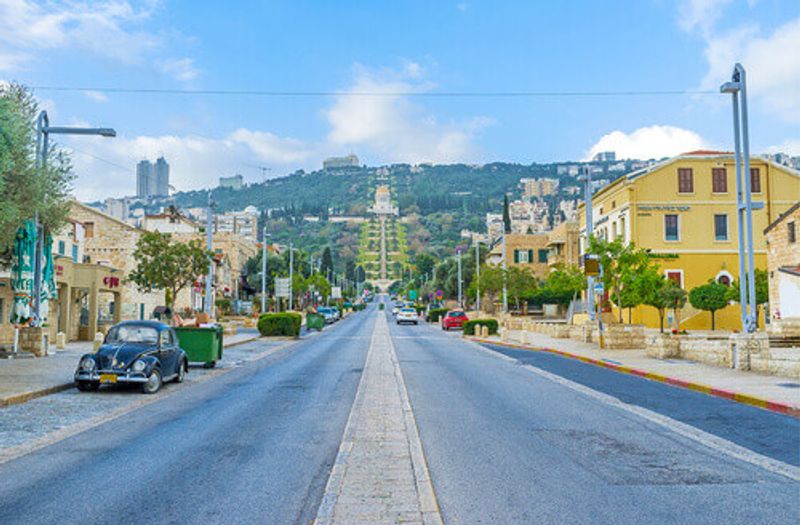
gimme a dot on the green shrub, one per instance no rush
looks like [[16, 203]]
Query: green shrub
[[380, 306], [469, 326], [286, 324], [435, 315]]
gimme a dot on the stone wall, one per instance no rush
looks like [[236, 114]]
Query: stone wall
[[711, 351], [623, 336]]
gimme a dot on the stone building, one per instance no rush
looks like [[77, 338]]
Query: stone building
[[111, 242], [563, 244], [524, 251], [783, 264]]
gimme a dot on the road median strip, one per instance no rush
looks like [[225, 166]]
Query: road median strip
[[738, 397]]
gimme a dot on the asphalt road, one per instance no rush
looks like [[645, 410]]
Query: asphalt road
[[254, 445], [507, 445]]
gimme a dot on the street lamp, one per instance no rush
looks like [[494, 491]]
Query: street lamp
[[264, 236], [43, 132], [291, 275], [477, 276], [505, 268], [460, 302], [737, 88], [587, 178], [210, 247]]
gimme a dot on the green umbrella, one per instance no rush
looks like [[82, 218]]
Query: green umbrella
[[49, 289], [22, 273]]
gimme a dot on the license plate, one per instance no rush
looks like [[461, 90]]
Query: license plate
[[108, 378]]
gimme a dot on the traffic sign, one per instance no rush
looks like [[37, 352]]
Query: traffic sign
[[412, 295], [598, 288], [282, 287], [336, 292], [439, 294]]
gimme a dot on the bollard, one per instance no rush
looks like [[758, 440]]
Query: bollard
[[484, 331], [98, 340], [61, 340]]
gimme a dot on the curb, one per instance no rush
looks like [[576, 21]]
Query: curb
[[738, 397], [24, 397]]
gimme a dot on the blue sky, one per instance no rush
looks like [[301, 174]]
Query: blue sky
[[398, 47]]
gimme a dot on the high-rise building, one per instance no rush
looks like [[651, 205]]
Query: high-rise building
[[161, 178], [152, 179], [145, 175], [235, 182], [605, 156]]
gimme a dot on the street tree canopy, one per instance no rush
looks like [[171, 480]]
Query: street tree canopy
[[711, 297], [165, 264], [24, 189]]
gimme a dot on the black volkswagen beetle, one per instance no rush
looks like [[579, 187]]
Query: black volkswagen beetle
[[142, 352]]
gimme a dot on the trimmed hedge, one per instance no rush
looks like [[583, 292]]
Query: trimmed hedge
[[285, 323], [469, 326], [380, 306], [435, 315]]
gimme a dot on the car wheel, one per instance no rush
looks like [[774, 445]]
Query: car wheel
[[415, 323], [153, 383], [181, 372], [87, 386]]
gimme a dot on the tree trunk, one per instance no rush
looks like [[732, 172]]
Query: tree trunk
[[712, 320], [661, 319], [630, 315]]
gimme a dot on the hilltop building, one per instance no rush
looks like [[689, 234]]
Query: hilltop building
[[383, 202], [683, 210], [605, 156], [243, 223], [234, 182], [338, 163], [539, 187]]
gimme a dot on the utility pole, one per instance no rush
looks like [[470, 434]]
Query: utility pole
[[291, 275], [264, 271], [209, 246], [505, 268], [737, 88], [477, 276], [460, 301], [587, 176]]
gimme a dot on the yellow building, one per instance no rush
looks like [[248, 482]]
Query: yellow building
[[524, 251], [684, 211], [562, 243]]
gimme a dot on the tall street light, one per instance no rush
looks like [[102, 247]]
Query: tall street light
[[587, 178], [505, 271], [210, 247], [264, 236], [291, 275], [460, 301], [477, 276], [737, 88], [43, 132]]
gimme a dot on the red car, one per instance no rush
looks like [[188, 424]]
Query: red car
[[454, 319]]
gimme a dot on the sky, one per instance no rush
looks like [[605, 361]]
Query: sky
[[377, 79]]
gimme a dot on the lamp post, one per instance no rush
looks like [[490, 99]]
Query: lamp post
[[264, 236], [587, 178], [291, 274], [209, 309], [505, 268], [43, 132], [460, 301], [737, 88], [477, 276]]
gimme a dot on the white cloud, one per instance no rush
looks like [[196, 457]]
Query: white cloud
[[182, 69], [700, 14], [393, 127], [651, 142], [790, 147], [771, 58], [112, 29], [107, 167], [97, 96]]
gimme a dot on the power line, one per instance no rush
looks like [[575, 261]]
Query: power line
[[418, 94]]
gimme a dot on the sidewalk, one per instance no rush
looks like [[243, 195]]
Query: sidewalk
[[23, 379], [779, 394]]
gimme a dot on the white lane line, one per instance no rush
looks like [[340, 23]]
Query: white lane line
[[695, 434]]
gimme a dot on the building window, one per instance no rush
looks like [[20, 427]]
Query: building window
[[675, 275], [61, 247], [719, 180], [792, 234], [521, 256], [622, 228], [88, 229], [720, 227], [75, 253], [685, 180], [542, 256], [755, 180], [671, 228]]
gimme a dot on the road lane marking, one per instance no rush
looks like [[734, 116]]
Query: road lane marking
[[704, 438], [380, 472]]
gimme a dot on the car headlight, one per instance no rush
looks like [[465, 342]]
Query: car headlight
[[87, 363], [138, 366]]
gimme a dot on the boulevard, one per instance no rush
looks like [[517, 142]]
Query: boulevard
[[507, 437]]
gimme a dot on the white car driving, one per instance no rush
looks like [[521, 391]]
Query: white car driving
[[407, 315]]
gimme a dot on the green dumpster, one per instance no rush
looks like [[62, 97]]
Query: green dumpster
[[202, 345], [315, 321]]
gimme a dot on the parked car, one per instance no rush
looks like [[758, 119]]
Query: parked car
[[407, 315], [327, 313], [140, 352], [454, 319], [337, 314]]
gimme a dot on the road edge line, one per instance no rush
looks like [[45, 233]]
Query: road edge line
[[738, 397], [701, 437]]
